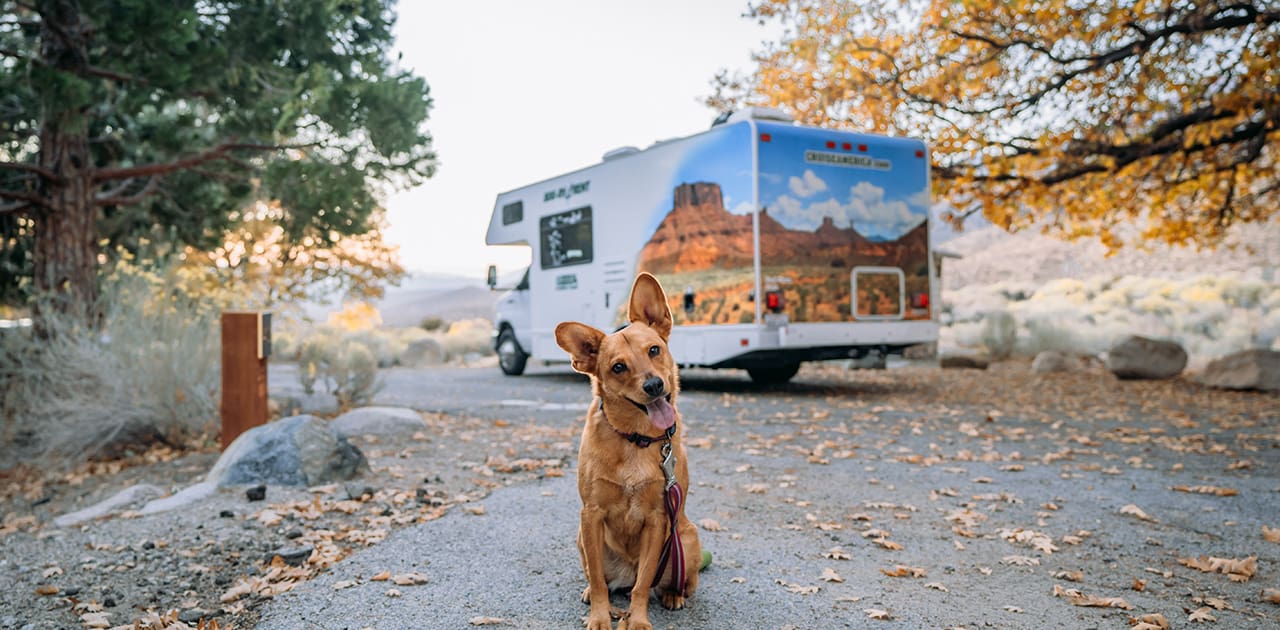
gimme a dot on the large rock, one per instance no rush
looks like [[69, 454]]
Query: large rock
[[1251, 369], [1142, 358], [378, 421], [297, 451]]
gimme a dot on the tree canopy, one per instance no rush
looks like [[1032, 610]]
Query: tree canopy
[[130, 119], [1128, 120]]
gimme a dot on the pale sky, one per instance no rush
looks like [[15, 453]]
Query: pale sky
[[529, 90]]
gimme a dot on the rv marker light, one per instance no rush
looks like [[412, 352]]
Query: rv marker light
[[862, 147], [744, 343], [831, 144], [846, 146], [919, 153], [764, 137]]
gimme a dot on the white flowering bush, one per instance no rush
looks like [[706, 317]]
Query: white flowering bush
[[1210, 315]]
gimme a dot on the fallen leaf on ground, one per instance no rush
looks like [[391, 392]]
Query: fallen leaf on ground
[[391, 592], [381, 577], [1037, 540], [711, 525], [1217, 603], [1070, 576], [1020, 561], [486, 621], [1138, 585], [475, 509], [1076, 598], [937, 586], [887, 544], [1012, 609], [830, 575], [95, 620], [1202, 614], [337, 586], [836, 553], [902, 570], [409, 579], [1135, 511], [797, 589], [755, 488], [1237, 569], [1271, 595], [876, 613], [1271, 534], [1152, 621], [46, 589], [737, 580], [1217, 490]]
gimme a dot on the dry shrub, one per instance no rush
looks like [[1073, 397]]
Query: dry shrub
[[342, 363], [150, 369]]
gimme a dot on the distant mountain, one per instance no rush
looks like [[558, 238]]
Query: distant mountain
[[421, 295]]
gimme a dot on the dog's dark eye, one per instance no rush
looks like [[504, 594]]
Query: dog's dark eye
[[619, 368], [654, 351]]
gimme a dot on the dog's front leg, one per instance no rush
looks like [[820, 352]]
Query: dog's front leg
[[591, 533], [651, 538]]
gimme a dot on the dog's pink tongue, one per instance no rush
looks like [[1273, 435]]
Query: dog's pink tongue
[[661, 413]]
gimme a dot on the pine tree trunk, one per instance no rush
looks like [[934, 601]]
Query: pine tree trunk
[[66, 239]]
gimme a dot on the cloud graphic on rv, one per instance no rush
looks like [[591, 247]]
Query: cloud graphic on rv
[[866, 210], [806, 186]]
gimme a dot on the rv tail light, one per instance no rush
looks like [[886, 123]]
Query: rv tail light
[[774, 301], [919, 300], [919, 153]]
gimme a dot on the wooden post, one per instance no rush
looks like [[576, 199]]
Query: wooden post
[[246, 344]]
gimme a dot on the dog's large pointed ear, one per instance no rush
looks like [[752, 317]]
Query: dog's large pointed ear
[[649, 305], [582, 342]]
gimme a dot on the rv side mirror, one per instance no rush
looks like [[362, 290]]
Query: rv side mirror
[[491, 277]]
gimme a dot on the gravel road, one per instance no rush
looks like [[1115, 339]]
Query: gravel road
[[997, 488]]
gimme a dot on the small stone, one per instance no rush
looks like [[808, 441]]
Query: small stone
[[256, 493], [148, 545], [193, 615], [226, 514], [293, 533], [292, 556], [358, 493], [109, 602], [71, 591]]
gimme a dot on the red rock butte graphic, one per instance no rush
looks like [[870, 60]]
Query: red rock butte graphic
[[699, 233]]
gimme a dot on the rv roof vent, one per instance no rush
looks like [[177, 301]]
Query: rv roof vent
[[619, 152], [756, 113]]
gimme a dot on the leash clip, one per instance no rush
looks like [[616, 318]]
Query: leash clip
[[668, 464]]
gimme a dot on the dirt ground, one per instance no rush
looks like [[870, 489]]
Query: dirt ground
[[1193, 451]]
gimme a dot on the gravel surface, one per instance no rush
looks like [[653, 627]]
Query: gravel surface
[[990, 482]]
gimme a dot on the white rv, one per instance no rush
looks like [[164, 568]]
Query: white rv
[[776, 243]]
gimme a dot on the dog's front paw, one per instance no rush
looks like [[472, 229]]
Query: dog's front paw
[[602, 622], [635, 624], [672, 600]]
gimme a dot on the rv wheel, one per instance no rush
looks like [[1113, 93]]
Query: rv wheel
[[511, 358], [773, 375]]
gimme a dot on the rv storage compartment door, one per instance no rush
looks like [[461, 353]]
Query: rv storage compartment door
[[877, 293]]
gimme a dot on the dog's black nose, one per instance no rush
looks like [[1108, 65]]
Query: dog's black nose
[[653, 386]]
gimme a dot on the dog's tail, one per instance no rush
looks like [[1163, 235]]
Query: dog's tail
[[706, 560]]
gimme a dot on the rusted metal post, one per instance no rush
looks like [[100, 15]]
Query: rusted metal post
[[246, 345]]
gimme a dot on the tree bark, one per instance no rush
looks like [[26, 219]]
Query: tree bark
[[66, 239]]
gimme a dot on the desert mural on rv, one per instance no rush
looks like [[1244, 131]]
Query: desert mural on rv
[[826, 212]]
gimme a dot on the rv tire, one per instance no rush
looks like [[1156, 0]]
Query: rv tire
[[511, 357], [776, 375]]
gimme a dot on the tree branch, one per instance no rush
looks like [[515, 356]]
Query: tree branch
[[114, 198], [31, 168], [218, 152], [28, 198], [9, 208]]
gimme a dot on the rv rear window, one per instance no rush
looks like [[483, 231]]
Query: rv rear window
[[513, 213], [566, 238]]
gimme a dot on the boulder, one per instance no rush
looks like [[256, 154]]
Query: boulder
[[296, 451], [1142, 358], [1251, 369], [1051, 361], [422, 353], [378, 421]]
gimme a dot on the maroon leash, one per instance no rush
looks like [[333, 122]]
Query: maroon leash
[[672, 550], [673, 497]]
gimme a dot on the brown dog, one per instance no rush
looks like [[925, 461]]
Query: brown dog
[[631, 451]]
